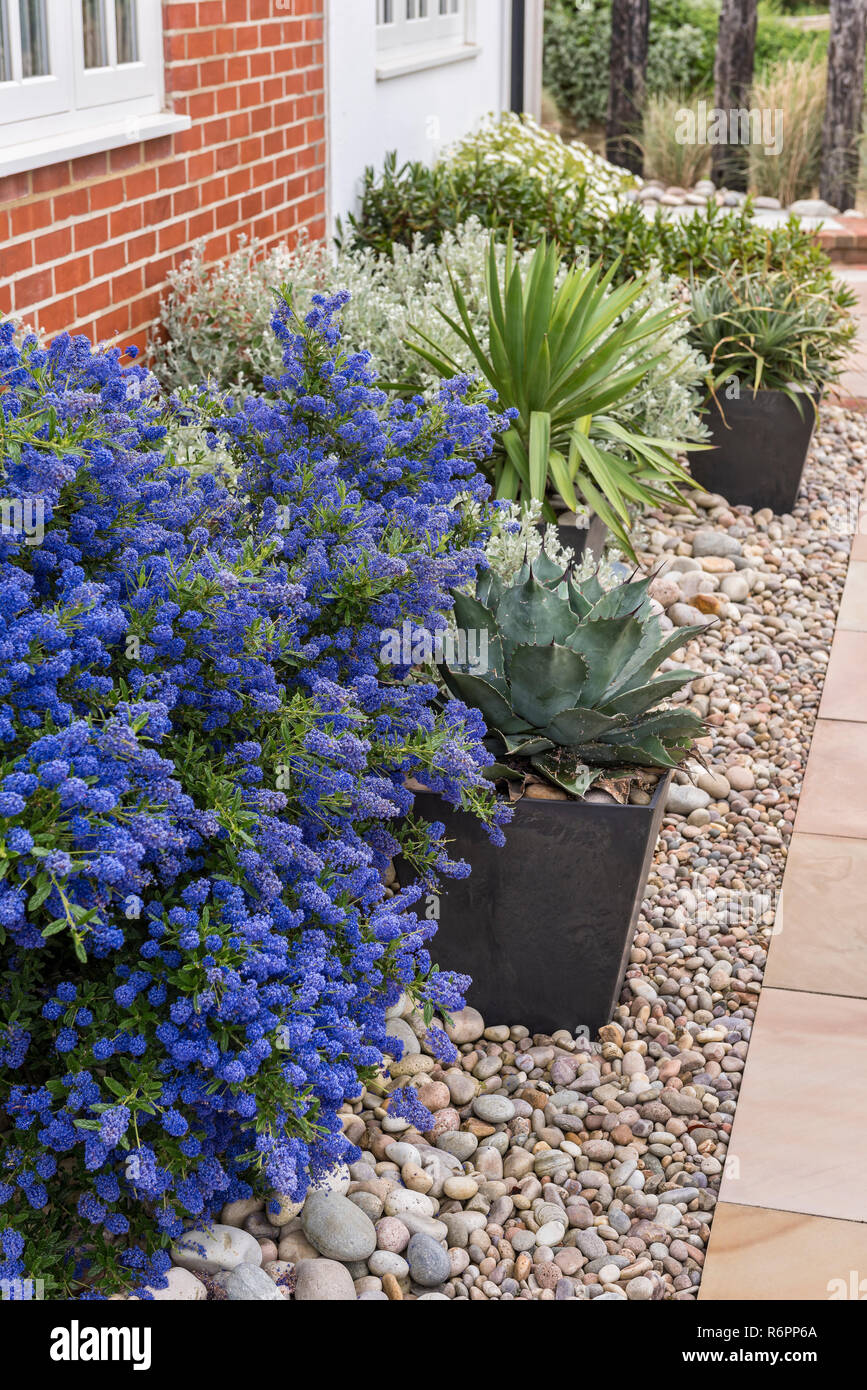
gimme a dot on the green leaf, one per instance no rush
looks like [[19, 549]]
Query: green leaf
[[606, 645], [624, 600], [575, 778], [626, 755], [544, 681], [562, 479], [489, 589], [54, 927], [520, 746], [481, 695], [675, 724], [644, 697], [38, 897], [547, 571], [497, 771], [649, 655], [572, 727], [531, 613], [540, 445], [472, 616]]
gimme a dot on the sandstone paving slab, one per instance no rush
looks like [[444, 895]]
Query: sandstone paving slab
[[820, 940], [799, 1141], [845, 691], [760, 1254], [834, 796]]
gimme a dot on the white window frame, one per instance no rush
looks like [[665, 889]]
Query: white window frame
[[77, 109], [33, 97], [420, 35]]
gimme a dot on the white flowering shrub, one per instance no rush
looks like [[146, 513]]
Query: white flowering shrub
[[517, 539], [520, 142]]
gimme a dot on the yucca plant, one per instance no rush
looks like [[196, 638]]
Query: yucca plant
[[570, 684], [562, 355], [772, 335]]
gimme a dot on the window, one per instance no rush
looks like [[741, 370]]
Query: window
[[78, 75], [413, 34]]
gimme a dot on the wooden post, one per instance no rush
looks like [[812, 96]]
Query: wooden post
[[733, 78], [840, 153], [630, 23]]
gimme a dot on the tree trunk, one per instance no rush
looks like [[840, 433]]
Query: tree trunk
[[630, 22], [842, 128], [733, 78]]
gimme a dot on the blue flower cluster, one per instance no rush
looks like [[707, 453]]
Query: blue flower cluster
[[203, 768]]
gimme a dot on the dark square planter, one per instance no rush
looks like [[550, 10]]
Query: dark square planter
[[759, 452], [545, 924]]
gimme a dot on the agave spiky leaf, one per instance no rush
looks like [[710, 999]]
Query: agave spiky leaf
[[571, 683]]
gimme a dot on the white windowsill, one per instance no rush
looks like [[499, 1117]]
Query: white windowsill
[[407, 60], [56, 149]]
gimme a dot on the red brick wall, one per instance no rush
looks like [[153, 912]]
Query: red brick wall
[[86, 244]]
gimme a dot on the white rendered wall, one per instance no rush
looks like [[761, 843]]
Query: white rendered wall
[[417, 113]]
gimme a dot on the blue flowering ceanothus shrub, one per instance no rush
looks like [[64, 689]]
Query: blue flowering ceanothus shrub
[[203, 762]]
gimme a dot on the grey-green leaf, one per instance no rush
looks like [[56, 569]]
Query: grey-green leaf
[[544, 681]]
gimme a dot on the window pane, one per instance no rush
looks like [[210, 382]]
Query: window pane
[[95, 36], [5, 54], [34, 39], [127, 30]]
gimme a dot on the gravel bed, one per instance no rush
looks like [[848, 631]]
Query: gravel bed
[[587, 1168]]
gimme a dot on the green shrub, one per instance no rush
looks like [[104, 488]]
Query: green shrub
[[510, 173], [713, 239]]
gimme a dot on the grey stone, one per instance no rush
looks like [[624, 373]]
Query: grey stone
[[400, 1029], [718, 543], [458, 1142], [735, 587], [684, 615], [207, 1250], [248, 1283], [494, 1109], [466, 1025], [813, 207], [321, 1281], [428, 1262], [337, 1228], [683, 800], [639, 1288], [590, 1244], [680, 1103]]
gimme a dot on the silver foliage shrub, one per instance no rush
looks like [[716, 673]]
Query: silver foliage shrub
[[214, 321]]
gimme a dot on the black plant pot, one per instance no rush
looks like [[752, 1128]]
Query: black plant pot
[[759, 452], [590, 538], [544, 925]]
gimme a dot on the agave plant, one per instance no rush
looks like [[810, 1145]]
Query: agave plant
[[570, 683], [562, 354], [772, 335]]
